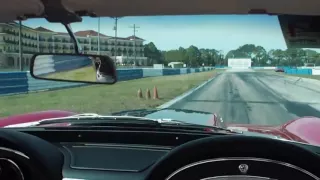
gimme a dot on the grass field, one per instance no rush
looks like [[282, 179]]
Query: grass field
[[104, 98], [82, 74], [304, 76]]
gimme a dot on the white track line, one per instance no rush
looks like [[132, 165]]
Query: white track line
[[178, 98]]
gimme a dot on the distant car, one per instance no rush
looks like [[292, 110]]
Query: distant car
[[279, 70]]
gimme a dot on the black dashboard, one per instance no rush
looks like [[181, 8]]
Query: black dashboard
[[109, 161], [137, 155]]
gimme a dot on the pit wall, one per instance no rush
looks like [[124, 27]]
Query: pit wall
[[287, 69], [21, 82]]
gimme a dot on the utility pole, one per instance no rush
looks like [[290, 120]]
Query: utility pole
[[115, 28], [98, 36], [20, 47], [134, 40], [38, 41], [220, 57]]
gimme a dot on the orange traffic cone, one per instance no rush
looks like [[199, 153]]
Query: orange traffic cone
[[148, 94], [139, 93], [155, 93]]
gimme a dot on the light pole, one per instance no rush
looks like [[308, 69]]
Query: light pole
[[115, 28], [134, 27], [99, 36], [220, 57]]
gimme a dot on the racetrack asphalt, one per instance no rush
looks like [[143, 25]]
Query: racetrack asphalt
[[250, 97]]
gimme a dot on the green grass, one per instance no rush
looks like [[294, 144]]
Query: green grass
[[219, 70], [317, 77], [103, 98], [82, 74]]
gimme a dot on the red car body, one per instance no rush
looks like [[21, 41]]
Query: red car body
[[304, 129]]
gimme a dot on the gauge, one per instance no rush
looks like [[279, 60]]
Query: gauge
[[10, 170]]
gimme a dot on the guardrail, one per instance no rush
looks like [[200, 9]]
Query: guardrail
[[252, 67], [301, 70], [21, 82], [287, 69]]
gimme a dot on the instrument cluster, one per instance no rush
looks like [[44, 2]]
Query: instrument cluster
[[241, 168], [10, 170]]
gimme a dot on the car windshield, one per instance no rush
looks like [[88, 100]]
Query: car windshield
[[242, 68]]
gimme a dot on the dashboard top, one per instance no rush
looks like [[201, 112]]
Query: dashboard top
[[134, 155]]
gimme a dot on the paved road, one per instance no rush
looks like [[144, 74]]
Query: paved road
[[253, 98]]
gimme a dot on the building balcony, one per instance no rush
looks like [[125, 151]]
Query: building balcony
[[65, 41], [10, 41]]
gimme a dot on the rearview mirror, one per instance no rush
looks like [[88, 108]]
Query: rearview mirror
[[74, 68]]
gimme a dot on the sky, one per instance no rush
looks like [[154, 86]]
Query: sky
[[221, 32]]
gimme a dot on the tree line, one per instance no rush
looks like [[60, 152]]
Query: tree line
[[194, 56]]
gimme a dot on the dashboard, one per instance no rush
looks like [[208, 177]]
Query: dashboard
[[27, 154]]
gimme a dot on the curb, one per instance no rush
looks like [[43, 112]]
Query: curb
[[184, 95]]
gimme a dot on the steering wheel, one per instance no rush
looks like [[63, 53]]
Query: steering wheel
[[176, 165], [29, 157]]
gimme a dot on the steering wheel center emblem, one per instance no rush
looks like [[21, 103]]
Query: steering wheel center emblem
[[243, 168]]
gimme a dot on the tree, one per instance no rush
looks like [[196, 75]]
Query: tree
[[277, 56], [177, 55], [246, 51], [260, 55], [311, 56], [193, 56], [152, 53], [209, 56]]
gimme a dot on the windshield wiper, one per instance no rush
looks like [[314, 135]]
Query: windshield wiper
[[102, 120]]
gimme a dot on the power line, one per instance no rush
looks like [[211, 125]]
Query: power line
[[135, 27]]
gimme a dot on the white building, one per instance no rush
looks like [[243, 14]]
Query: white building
[[42, 40], [239, 63], [176, 64]]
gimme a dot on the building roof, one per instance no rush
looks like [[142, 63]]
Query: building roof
[[129, 38], [88, 33], [17, 24], [84, 33], [134, 37], [42, 29]]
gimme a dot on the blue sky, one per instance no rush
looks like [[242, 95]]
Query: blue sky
[[221, 32]]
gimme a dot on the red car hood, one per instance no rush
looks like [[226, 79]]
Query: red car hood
[[304, 129], [33, 117]]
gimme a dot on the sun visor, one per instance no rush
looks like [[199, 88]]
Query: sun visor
[[300, 31]]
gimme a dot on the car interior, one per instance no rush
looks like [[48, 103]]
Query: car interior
[[120, 153], [140, 153]]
